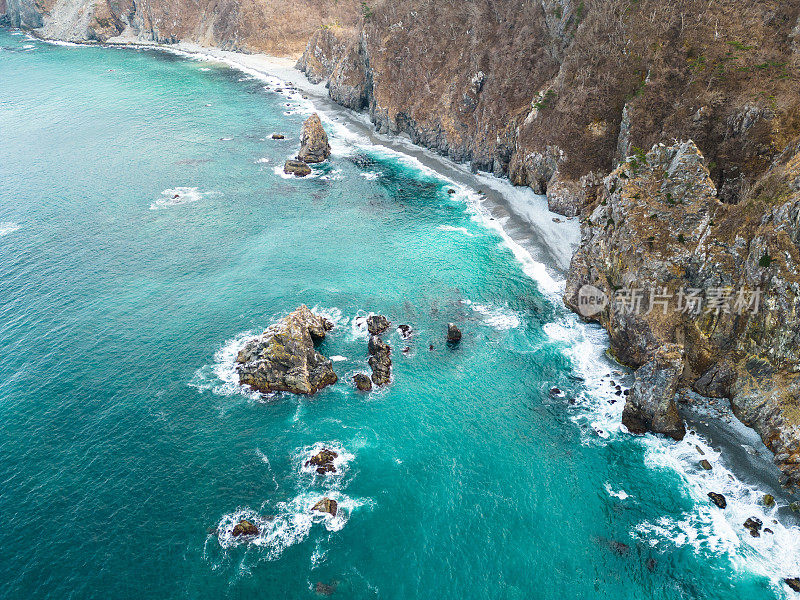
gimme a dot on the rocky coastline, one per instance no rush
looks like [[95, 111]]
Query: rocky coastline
[[713, 205]]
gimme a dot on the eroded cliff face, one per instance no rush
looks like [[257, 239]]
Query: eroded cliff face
[[556, 93], [277, 27], [714, 283]]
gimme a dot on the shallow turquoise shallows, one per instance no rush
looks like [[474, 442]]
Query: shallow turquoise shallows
[[127, 451]]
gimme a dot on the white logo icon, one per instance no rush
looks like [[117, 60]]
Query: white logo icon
[[591, 301]]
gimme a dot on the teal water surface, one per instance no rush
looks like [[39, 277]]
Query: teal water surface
[[126, 451]]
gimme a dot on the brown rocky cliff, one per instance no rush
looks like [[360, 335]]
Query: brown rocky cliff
[[719, 281], [556, 93], [276, 27]]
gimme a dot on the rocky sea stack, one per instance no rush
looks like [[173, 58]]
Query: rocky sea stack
[[327, 505], [244, 527], [453, 333], [323, 461], [314, 146], [380, 360], [283, 358]]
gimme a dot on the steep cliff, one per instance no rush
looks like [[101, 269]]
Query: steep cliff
[[277, 27], [715, 284], [555, 93]]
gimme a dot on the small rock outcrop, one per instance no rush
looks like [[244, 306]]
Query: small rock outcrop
[[297, 168], [323, 460], [651, 406], [363, 382], [718, 499], [325, 589], [283, 358], [327, 505], [244, 527], [453, 334], [380, 360], [768, 500], [793, 582], [278, 136], [377, 324], [314, 146], [753, 525]]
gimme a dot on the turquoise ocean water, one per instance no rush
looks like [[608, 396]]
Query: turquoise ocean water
[[127, 451]]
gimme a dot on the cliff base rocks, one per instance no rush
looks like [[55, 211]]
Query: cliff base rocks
[[651, 404]]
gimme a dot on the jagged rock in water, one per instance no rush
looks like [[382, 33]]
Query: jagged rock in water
[[405, 331], [283, 358], [326, 589], [244, 527], [363, 382], [753, 525], [377, 324], [793, 582], [327, 505], [706, 465], [380, 360], [651, 406], [718, 499], [314, 146], [323, 460], [277, 136], [768, 500], [453, 333], [297, 168]]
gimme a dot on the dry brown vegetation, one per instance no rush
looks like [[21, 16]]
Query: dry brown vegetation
[[558, 74]]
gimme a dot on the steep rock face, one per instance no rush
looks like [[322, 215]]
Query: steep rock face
[[651, 405], [721, 281], [324, 49], [278, 27], [552, 93], [556, 93], [284, 359]]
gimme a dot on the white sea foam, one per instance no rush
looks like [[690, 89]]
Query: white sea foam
[[338, 358], [221, 376], [177, 196], [7, 227], [463, 230], [291, 524], [497, 317], [774, 555], [371, 175], [621, 494], [63, 43], [341, 462], [263, 160], [334, 175], [333, 314]]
